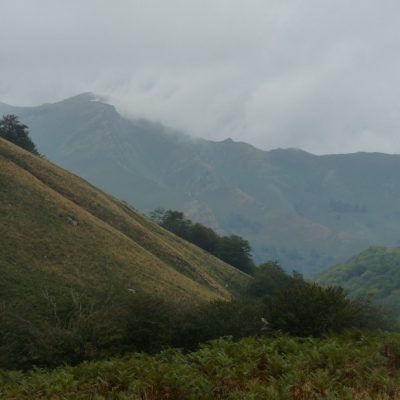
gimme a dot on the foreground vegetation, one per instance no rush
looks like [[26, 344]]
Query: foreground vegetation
[[47, 332], [351, 366]]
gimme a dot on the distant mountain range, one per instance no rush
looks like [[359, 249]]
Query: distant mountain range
[[307, 211]]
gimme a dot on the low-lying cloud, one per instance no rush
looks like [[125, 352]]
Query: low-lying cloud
[[318, 75]]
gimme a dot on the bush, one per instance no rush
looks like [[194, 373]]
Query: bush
[[75, 327], [270, 279], [237, 318], [83, 327], [308, 309]]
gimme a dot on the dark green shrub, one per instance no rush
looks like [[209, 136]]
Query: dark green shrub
[[308, 309], [83, 327], [270, 279], [237, 318], [16, 132]]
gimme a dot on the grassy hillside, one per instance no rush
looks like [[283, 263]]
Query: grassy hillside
[[58, 232], [358, 366], [374, 272], [306, 211]]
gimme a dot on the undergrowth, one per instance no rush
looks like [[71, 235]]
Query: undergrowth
[[354, 365]]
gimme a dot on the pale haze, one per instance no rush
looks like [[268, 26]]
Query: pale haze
[[318, 75]]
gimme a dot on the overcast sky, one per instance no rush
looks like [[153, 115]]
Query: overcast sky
[[321, 75]]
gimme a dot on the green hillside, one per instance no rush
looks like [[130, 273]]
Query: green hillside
[[374, 272], [306, 211], [58, 232]]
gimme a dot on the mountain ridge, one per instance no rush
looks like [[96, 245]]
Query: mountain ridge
[[308, 211]]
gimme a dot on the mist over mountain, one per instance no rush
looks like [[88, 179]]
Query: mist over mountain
[[307, 211]]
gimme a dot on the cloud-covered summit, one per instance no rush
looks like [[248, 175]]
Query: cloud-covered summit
[[322, 76]]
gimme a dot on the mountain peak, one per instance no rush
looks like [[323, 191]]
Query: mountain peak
[[84, 97]]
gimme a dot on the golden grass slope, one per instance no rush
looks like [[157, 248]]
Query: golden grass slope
[[55, 224]]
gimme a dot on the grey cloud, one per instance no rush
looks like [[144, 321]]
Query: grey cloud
[[319, 75]]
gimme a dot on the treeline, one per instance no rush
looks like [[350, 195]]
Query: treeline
[[232, 249], [90, 326]]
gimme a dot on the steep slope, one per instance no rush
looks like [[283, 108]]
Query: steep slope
[[59, 232], [307, 211], [374, 272]]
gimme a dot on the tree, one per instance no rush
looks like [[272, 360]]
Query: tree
[[232, 249], [270, 279], [14, 131], [158, 215], [175, 222], [203, 237], [309, 309], [236, 251]]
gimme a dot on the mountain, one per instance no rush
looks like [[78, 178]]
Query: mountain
[[305, 210], [59, 233], [374, 272]]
